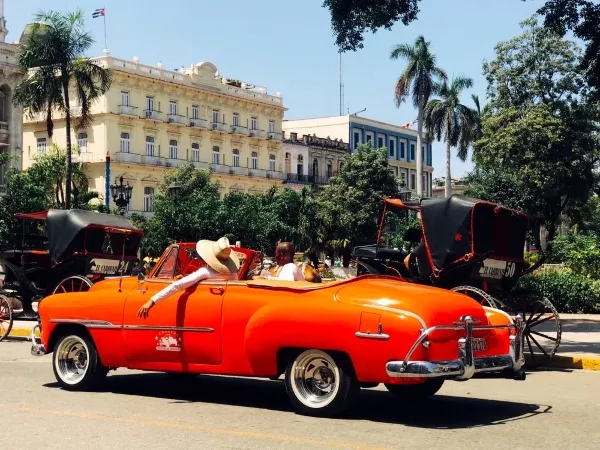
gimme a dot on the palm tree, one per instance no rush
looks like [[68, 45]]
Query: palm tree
[[456, 122], [54, 46], [419, 79], [478, 114]]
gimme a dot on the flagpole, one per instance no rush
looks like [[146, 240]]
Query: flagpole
[[104, 16]]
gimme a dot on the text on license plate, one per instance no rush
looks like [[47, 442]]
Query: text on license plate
[[493, 268], [479, 344]]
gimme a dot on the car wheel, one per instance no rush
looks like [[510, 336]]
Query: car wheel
[[319, 384], [416, 391], [76, 364]]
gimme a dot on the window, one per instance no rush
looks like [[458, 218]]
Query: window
[[423, 154], [412, 152], [194, 111], [195, 152], [356, 139], [315, 167], [149, 145], [254, 123], [215, 116], [369, 138], [288, 163], [413, 181], [392, 147], [235, 159], [148, 199], [403, 179], [124, 98], [82, 141], [173, 149], [254, 160], [149, 103], [402, 154], [341, 165], [272, 163], [125, 143], [173, 108], [300, 165], [329, 169], [379, 141], [271, 126], [42, 146], [216, 156], [236, 120]]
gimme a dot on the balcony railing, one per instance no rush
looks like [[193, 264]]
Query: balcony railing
[[238, 129], [219, 126], [201, 165], [127, 110], [302, 179], [136, 158], [177, 119], [275, 136], [219, 168], [174, 162], [199, 123], [257, 133], [237, 170], [153, 115]]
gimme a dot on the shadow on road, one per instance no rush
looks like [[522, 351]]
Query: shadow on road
[[442, 411]]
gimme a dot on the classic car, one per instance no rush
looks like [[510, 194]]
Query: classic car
[[329, 339]]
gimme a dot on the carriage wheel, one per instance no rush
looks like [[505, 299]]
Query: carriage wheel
[[480, 296], [74, 283], [6, 319], [543, 330]]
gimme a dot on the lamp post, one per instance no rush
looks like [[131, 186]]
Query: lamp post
[[121, 193]]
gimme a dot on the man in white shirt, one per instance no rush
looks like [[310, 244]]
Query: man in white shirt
[[286, 269], [221, 263]]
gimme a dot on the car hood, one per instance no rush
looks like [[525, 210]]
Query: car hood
[[433, 305]]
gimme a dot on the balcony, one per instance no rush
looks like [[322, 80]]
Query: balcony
[[275, 136], [237, 170], [83, 157], [219, 126], [219, 168], [4, 133], [201, 165], [262, 134], [176, 119], [238, 129], [127, 110], [199, 123], [153, 115], [174, 162], [136, 158], [300, 179]]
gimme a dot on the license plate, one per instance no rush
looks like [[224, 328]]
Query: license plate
[[493, 268], [479, 344]]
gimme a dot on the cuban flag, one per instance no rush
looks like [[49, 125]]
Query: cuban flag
[[98, 13]]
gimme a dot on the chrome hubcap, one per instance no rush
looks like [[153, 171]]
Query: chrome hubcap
[[315, 379], [72, 360]]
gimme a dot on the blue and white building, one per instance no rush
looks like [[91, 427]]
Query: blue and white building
[[401, 142]]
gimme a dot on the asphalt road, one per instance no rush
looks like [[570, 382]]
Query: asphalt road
[[150, 410]]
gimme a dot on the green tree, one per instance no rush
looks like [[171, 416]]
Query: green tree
[[55, 46], [419, 79], [349, 208], [351, 18], [447, 117], [540, 129]]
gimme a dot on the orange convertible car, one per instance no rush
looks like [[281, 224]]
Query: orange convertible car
[[328, 339]]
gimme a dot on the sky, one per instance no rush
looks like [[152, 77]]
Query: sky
[[288, 47]]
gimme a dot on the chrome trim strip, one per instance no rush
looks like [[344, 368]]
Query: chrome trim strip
[[165, 328], [88, 323], [380, 336], [399, 311], [37, 348]]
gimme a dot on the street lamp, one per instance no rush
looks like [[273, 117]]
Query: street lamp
[[174, 190], [121, 193]]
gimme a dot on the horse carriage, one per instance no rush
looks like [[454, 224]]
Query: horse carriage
[[469, 246], [67, 251]]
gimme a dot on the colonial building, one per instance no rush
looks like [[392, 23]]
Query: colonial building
[[400, 141], [459, 186], [153, 120], [312, 160], [11, 122]]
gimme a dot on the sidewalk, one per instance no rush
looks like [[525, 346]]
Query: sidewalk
[[579, 347]]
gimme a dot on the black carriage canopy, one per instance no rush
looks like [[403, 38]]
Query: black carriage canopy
[[67, 232], [459, 225]]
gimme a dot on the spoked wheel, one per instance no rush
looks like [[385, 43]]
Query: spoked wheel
[[75, 283], [480, 296], [6, 318], [543, 329]]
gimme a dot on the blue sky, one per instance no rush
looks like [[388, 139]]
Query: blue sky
[[287, 46]]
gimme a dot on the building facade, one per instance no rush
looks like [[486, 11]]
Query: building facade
[[152, 120], [400, 142], [312, 160], [11, 118], [459, 186]]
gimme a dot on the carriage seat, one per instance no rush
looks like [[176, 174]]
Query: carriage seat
[[374, 252]]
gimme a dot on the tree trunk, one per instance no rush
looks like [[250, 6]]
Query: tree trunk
[[420, 151], [448, 185], [68, 175]]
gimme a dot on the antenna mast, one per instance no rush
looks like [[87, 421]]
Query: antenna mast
[[341, 87]]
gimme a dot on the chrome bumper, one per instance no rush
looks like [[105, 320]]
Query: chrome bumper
[[466, 365], [37, 348]]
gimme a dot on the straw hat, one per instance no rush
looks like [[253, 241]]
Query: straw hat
[[218, 255]]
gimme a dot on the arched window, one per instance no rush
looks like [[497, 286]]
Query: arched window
[[149, 145], [148, 199], [300, 166], [195, 152], [216, 155], [235, 160], [288, 156], [254, 160], [315, 167], [82, 141], [272, 163], [329, 169], [173, 149], [125, 143]]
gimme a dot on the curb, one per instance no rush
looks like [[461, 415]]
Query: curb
[[22, 332]]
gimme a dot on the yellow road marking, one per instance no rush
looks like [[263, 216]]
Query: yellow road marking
[[252, 434]]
